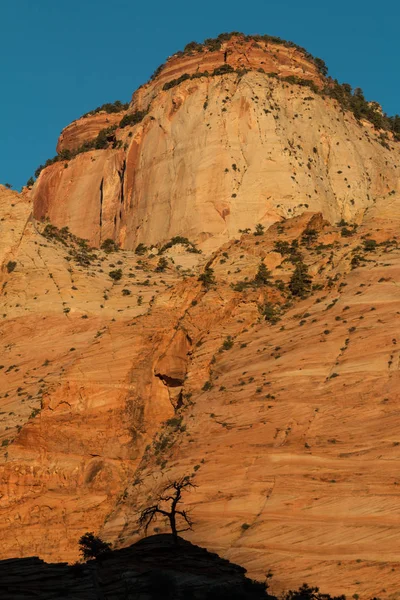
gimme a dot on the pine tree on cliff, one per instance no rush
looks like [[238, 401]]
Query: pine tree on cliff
[[300, 281]]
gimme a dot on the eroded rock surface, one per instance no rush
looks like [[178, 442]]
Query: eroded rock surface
[[123, 370], [218, 153]]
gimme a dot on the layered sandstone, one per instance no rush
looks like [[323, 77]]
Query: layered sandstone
[[111, 387], [86, 129], [240, 54], [293, 445], [219, 153]]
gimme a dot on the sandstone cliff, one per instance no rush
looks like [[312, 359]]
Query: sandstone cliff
[[121, 370], [216, 153]]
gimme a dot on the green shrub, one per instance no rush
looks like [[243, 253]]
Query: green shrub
[[10, 266], [227, 344], [116, 274], [269, 313], [141, 249], [259, 229], [263, 276], [104, 137], [369, 245], [170, 84], [223, 69], [321, 66], [109, 108], [303, 82], [207, 386], [35, 411], [162, 264], [178, 239], [132, 119], [193, 47], [282, 247], [207, 277], [300, 281], [309, 236], [109, 246], [345, 232], [101, 140]]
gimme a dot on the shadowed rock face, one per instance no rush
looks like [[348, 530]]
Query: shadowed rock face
[[113, 383], [151, 569]]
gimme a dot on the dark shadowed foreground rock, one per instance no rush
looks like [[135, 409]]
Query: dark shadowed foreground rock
[[150, 569]]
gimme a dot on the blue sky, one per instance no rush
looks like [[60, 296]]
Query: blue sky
[[59, 60]]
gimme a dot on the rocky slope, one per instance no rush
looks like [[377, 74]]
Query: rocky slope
[[153, 568], [122, 370]]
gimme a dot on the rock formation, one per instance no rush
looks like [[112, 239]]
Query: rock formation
[[275, 387], [216, 153], [151, 569]]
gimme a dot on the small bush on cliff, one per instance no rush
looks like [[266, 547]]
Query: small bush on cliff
[[261, 278], [223, 69], [132, 119], [227, 344], [109, 246], [141, 249], [170, 84], [100, 142], [178, 239], [321, 66], [269, 313], [109, 108], [309, 236], [192, 47], [116, 274], [369, 245], [207, 277], [305, 592], [162, 265], [11, 266], [92, 546]]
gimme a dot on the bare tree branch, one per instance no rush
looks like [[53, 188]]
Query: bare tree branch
[[150, 513]]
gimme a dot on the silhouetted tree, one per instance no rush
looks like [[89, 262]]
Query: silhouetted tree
[[92, 546], [166, 504], [305, 592]]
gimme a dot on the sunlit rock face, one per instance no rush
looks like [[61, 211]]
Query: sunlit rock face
[[121, 371], [217, 153]]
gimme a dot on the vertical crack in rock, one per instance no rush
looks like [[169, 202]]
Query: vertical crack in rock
[[122, 179], [101, 205], [101, 201]]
